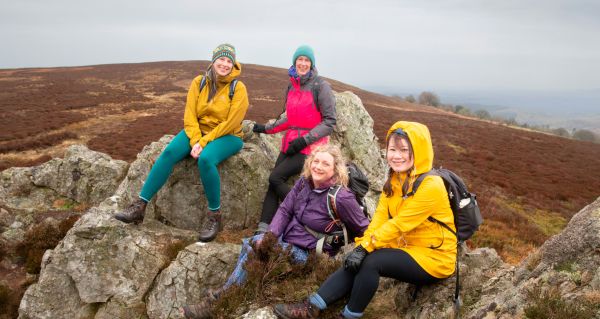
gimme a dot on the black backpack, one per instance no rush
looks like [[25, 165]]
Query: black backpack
[[467, 216], [358, 183]]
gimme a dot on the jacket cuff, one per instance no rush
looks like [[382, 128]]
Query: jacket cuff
[[193, 141], [203, 142]]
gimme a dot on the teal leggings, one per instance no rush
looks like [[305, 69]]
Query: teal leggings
[[214, 153]]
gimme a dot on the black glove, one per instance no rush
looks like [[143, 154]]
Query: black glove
[[258, 128], [296, 146], [355, 258]]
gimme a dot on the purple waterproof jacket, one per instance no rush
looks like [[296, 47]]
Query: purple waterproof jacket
[[305, 205]]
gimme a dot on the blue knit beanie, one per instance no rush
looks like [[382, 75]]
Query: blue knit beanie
[[306, 51]]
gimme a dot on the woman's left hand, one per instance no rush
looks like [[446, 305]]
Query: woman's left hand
[[354, 260], [296, 146], [196, 150]]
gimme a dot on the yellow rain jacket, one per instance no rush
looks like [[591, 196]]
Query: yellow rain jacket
[[432, 246], [205, 121]]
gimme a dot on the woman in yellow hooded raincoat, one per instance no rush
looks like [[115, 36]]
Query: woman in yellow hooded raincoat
[[400, 241], [212, 133]]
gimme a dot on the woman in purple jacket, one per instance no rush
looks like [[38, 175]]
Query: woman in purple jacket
[[303, 211]]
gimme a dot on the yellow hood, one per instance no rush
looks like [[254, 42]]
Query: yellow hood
[[419, 137]]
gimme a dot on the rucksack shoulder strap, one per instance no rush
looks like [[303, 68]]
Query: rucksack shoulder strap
[[332, 209], [232, 86], [202, 84], [315, 91], [418, 182], [431, 219], [331, 205]]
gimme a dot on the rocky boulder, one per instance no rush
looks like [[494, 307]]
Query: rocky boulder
[[562, 275], [198, 267], [82, 177], [354, 131], [102, 266]]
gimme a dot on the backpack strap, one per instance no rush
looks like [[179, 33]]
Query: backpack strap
[[332, 209], [232, 86], [331, 206], [202, 84], [333, 238], [457, 300], [417, 183], [433, 220], [315, 91]]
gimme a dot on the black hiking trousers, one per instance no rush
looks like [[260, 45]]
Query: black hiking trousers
[[285, 167], [386, 262]]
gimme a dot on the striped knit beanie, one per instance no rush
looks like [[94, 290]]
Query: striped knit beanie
[[226, 50]]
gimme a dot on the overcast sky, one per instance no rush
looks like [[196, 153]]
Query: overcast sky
[[437, 45]]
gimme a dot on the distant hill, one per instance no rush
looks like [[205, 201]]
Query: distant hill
[[567, 109], [529, 184]]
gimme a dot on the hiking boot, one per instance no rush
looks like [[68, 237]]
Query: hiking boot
[[211, 226], [203, 310], [134, 213], [303, 310], [261, 229]]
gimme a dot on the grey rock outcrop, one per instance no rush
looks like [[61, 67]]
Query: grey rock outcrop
[[102, 264], [567, 263], [198, 267], [82, 176], [354, 130]]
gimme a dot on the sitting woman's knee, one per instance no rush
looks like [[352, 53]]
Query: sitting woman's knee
[[276, 179], [205, 161], [369, 263], [167, 155]]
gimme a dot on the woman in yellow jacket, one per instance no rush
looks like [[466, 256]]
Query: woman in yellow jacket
[[212, 133], [400, 241]]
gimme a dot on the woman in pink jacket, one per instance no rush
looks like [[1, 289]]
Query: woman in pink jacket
[[308, 121]]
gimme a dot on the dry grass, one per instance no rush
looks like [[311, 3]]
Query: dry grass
[[41, 237], [273, 277], [550, 304]]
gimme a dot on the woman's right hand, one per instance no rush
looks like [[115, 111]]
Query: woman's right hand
[[196, 150], [258, 128], [355, 258]]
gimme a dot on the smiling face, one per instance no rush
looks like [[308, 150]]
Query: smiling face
[[322, 168], [303, 65], [399, 154], [222, 66]]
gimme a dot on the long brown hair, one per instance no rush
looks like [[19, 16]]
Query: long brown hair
[[387, 187], [211, 82], [340, 172]]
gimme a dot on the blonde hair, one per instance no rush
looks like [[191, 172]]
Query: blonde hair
[[340, 172]]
